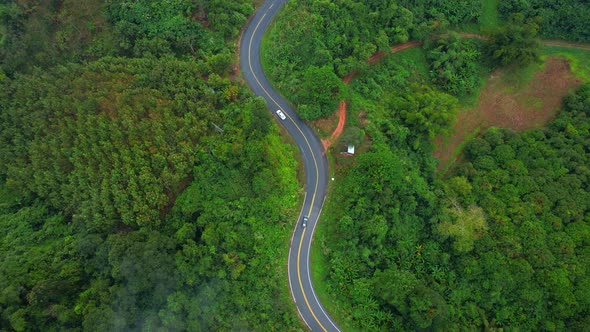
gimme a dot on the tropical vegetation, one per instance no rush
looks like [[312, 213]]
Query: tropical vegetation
[[142, 186]]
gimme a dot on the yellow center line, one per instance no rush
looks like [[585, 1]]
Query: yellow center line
[[279, 106], [312, 154], [301, 285]]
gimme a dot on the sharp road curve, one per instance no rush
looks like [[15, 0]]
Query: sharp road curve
[[315, 162]]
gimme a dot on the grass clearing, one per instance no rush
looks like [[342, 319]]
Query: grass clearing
[[489, 19], [468, 101], [324, 127], [415, 57], [519, 99]]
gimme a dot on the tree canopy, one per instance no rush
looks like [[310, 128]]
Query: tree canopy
[[558, 19], [142, 186], [502, 243], [516, 43], [454, 64]]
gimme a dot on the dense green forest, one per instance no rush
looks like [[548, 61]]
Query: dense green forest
[[504, 243], [142, 187], [315, 43], [501, 242], [328, 39], [47, 32], [558, 19]]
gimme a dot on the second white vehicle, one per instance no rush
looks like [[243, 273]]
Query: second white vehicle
[[281, 114]]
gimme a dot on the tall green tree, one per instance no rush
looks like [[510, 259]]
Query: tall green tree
[[426, 110], [319, 92], [516, 43], [453, 64]]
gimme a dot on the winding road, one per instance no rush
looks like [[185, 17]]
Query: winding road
[[315, 162]]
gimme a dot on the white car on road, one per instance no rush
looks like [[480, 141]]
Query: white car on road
[[281, 114]]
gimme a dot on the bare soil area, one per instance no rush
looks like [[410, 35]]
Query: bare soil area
[[327, 142], [530, 107]]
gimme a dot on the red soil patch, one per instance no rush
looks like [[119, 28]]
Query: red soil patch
[[528, 108], [346, 79], [327, 142]]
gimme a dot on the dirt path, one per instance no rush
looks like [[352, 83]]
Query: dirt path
[[560, 43], [327, 142]]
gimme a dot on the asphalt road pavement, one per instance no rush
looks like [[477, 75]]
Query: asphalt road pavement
[[315, 162]]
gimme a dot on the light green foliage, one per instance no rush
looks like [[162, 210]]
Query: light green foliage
[[459, 186], [426, 110], [465, 227]]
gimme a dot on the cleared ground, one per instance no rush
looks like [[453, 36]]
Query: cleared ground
[[504, 103]]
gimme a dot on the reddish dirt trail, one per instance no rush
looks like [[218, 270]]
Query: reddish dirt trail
[[394, 49], [562, 43], [327, 142]]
